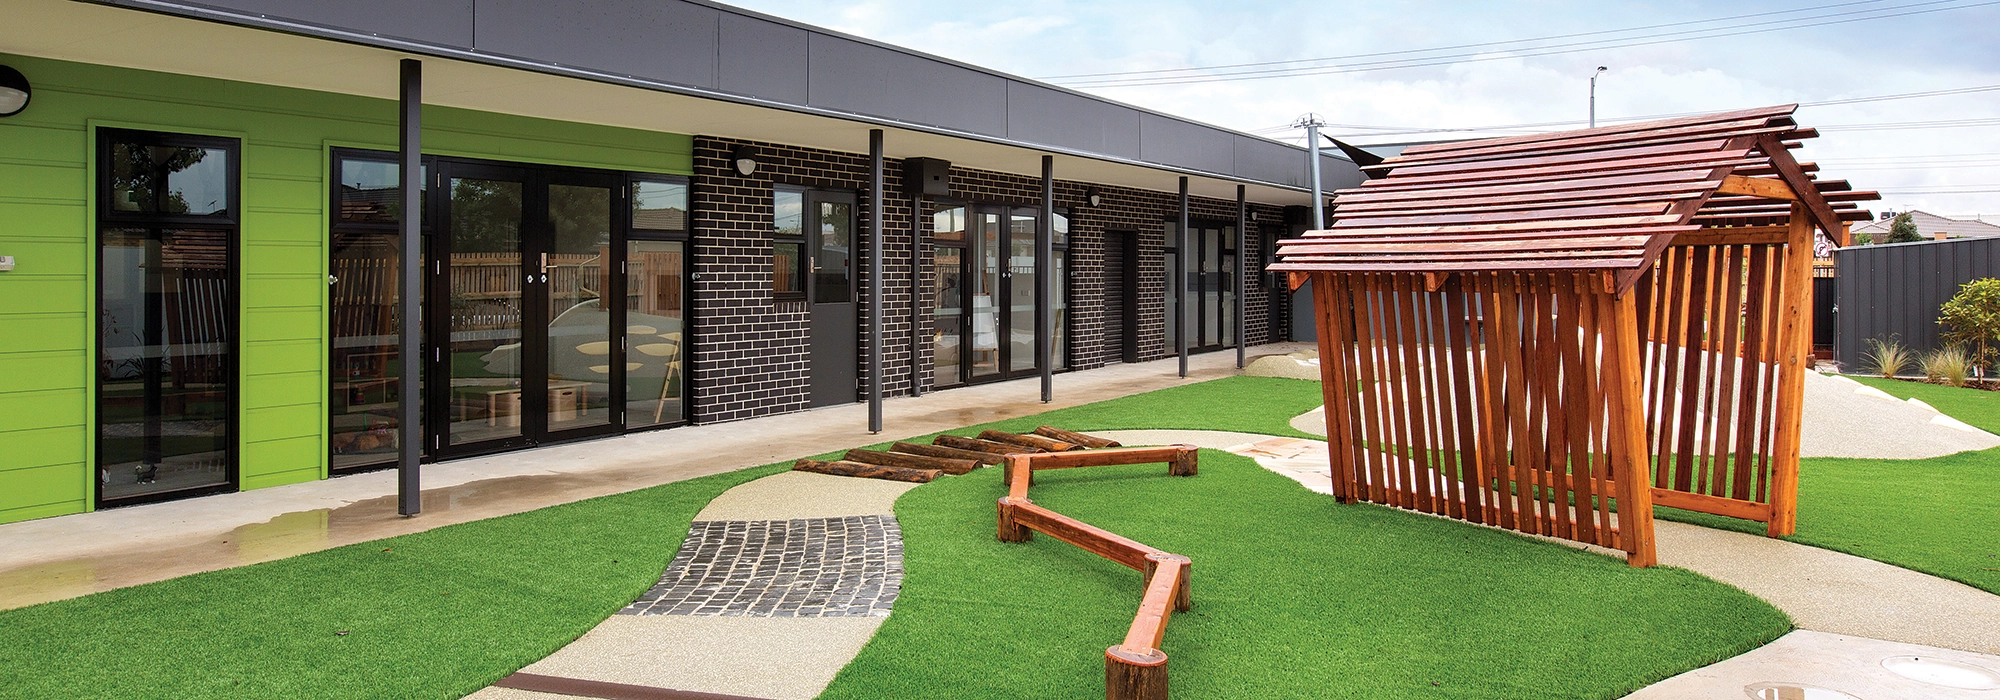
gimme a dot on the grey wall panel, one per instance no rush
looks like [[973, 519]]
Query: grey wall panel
[[1268, 161], [765, 59], [852, 76], [1896, 290], [447, 22], [1037, 114], [1173, 141], [1336, 173], [664, 40]]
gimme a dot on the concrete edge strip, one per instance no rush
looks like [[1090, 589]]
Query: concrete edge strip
[[603, 690]]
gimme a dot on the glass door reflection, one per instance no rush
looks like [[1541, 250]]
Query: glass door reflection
[[573, 266], [485, 276]]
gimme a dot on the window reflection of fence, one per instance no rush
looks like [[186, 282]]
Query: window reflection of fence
[[197, 326], [655, 286]]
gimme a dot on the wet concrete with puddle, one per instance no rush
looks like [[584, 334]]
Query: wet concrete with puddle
[[69, 556]]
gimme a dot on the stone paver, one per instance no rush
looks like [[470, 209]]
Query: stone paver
[[823, 567]]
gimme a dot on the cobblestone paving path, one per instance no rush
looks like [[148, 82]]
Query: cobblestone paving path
[[819, 567]]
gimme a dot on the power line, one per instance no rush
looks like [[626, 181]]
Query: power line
[[1557, 49], [1260, 64], [1405, 130]]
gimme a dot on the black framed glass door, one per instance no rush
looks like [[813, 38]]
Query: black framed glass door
[[524, 349], [1211, 286], [985, 298]]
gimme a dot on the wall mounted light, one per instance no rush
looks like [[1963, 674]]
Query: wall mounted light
[[14, 92], [745, 158], [1094, 197]]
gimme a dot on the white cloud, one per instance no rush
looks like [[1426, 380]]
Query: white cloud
[[1909, 54]]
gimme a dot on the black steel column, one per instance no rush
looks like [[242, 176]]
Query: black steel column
[[1242, 252], [409, 348], [916, 287], [1045, 260], [1180, 281], [875, 212]]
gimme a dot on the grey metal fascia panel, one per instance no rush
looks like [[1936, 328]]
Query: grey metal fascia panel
[[1337, 173], [1166, 140], [1216, 165], [445, 22], [1259, 159], [850, 76], [665, 40], [763, 59], [1037, 114]]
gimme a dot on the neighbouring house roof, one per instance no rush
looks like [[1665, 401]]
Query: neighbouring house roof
[[1929, 225], [1609, 198]]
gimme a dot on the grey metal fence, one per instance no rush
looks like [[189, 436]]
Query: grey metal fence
[[1896, 289]]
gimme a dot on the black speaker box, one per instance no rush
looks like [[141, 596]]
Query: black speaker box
[[927, 176]]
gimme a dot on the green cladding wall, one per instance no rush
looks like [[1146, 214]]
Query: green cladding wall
[[46, 303]]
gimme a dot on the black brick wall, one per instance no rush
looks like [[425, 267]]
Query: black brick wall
[[750, 352]]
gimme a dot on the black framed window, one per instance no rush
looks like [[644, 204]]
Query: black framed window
[[167, 299], [656, 304], [788, 260], [364, 288]]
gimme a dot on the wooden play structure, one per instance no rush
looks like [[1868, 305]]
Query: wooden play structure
[[1134, 669], [1552, 333]]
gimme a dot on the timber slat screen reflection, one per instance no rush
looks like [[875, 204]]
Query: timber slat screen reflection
[[1552, 333]]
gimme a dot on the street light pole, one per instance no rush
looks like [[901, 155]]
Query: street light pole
[[1593, 95]]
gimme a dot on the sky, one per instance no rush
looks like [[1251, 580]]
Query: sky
[[1520, 63]]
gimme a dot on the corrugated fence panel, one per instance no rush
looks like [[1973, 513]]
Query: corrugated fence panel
[[1895, 291]]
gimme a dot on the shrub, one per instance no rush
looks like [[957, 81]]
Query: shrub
[[1972, 319], [1886, 357], [1903, 230], [1947, 365]]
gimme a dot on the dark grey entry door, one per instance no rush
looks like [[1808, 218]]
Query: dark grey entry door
[[830, 242]]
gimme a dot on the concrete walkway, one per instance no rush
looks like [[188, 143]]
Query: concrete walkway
[[68, 556], [728, 632]]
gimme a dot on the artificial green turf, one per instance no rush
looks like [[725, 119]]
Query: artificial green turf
[[1294, 596], [1940, 515], [436, 614]]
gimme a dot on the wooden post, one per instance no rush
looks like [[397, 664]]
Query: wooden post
[[1010, 532], [1625, 395], [1334, 385], [1135, 674], [1794, 353], [1184, 463]]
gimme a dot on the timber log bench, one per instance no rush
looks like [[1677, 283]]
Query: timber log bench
[[1135, 669]]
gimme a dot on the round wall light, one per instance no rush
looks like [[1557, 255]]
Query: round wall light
[[1094, 197], [14, 92], [745, 158]]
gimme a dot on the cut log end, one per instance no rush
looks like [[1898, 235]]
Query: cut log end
[[866, 471]]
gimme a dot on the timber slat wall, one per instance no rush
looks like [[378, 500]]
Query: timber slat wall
[[1548, 333]]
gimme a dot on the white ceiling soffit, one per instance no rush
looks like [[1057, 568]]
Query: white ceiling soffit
[[98, 34]]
